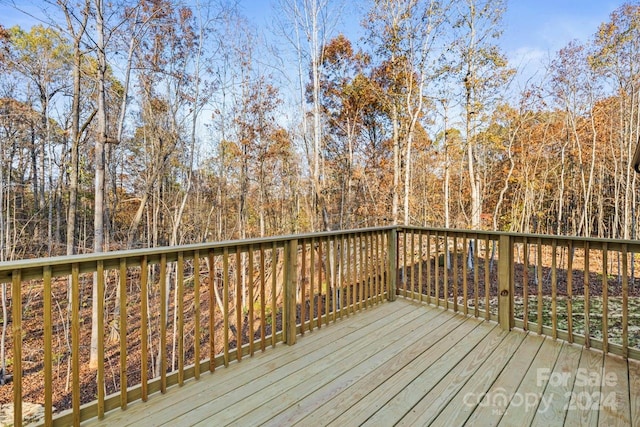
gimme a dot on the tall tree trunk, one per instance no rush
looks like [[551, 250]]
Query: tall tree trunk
[[447, 169], [75, 121], [35, 182], [474, 181], [99, 205], [395, 197], [43, 174], [316, 60]]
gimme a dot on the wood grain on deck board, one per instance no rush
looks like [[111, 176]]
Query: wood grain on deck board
[[236, 400], [352, 382], [397, 406], [496, 400], [521, 412], [431, 404], [583, 413], [295, 397], [552, 405], [460, 406], [401, 363], [226, 379], [369, 404]]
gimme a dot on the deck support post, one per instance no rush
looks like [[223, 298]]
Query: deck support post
[[392, 251], [505, 282], [290, 290]]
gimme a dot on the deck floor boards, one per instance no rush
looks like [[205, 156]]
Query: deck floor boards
[[405, 363], [520, 413]]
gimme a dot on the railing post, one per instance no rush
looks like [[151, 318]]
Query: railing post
[[17, 329], [392, 251], [505, 282], [290, 288]]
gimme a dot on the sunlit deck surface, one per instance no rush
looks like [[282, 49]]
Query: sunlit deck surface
[[405, 363]]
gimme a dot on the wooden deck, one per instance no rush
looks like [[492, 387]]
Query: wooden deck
[[403, 363]]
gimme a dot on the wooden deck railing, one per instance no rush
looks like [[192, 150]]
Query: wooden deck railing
[[580, 290], [168, 314]]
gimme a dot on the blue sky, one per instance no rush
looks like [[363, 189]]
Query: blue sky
[[534, 29]]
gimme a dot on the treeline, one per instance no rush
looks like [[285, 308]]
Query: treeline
[[159, 123]]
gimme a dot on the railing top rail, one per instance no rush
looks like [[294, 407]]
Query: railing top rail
[[595, 242], [7, 267], [31, 268]]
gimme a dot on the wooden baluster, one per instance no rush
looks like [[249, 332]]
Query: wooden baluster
[[487, 280], [585, 278], [554, 289], [180, 316], [370, 269], [344, 292], [263, 308], [312, 278], [16, 324], [250, 298], [343, 273], [123, 333], [476, 278], [540, 266], [349, 288], [413, 264], [392, 269], [429, 267], [525, 285], [335, 277], [605, 299], [405, 249], [361, 286], [378, 268], [48, 350], [303, 278], [455, 274], [274, 292], [75, 342], [436, 268], [570, 290], [465, 281], [445, 271], [144, 324], [359, 260], [239, 294], [225, 303], [196, 313], [625, 301], [320, 270], [367, 269], [420, 262], [212, 311], [163, 323]]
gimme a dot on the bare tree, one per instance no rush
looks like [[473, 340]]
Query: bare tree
[[407, 36], [312, 22], [484, 72], [76, 26]]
